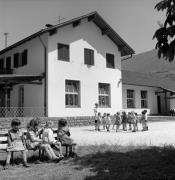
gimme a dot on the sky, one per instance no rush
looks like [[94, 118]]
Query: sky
[[134, 20]]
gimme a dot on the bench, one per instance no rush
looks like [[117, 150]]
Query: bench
[[4, 143]]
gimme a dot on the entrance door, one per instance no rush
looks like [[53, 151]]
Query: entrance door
[[159, 104]]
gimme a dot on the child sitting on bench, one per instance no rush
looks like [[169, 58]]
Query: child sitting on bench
[[48, 137], [64, 136], [16, 143]]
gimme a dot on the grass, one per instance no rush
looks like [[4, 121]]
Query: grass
[[101, 162]]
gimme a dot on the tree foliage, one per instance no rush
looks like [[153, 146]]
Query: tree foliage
[[165, 35]]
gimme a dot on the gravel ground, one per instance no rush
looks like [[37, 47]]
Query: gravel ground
[[159, 134]]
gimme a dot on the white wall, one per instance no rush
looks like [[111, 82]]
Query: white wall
[[152, 98], [86, 35], [33, 94]]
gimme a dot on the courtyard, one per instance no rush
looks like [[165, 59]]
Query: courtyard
[[107, 155]]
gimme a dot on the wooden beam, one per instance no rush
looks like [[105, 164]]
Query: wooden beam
[[52, 31], [76, 23], [91, 18], [106, 31]]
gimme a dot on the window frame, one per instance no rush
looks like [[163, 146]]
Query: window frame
[[16, 57], [108, 64], [144, 99], [131, 99], [24, 57], [105, 95], [1, 63], [89, 56], [72, 93], [8, 59], [64, 57]]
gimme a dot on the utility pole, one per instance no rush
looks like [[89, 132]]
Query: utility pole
[[6, 34]]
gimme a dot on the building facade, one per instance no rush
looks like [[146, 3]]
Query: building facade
[[64, 70]]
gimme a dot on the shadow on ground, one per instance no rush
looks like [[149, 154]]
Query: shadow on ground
[[128, 163]]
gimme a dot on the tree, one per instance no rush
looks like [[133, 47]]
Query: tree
[[165, 35]]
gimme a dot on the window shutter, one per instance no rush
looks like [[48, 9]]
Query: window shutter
[[24, 58], [16, 58]]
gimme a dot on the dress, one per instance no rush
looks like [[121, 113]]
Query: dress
[[64, 136], [47, 136], [16, 140]]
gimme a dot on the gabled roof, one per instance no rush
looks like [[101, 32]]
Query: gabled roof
[[148, 62], [150, 80], [97, 19]]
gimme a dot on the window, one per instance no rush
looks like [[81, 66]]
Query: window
[[16, 60], [88, 56], [144, 99], [110, 60], [63, 52], [1, 63], [8, 63], [24, 57], [130, 99], [104, 94], [72, 94]]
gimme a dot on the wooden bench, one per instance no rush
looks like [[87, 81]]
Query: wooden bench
[[4, 143]]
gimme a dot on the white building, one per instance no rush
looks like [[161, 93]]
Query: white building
[[63, 70], [148, 83]]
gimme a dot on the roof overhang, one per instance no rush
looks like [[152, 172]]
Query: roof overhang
[[13, 79], [106, 29]]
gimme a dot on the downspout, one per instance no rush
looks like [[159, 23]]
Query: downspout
[[45, 76]]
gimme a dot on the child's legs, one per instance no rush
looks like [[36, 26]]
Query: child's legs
[[24, 156], [45, 148], [117, 127], [58, 146], [143, 124], [9, 154], [52, 152]]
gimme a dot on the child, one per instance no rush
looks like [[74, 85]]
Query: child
[[124, 120], [137, 120], [129, 120], [16, 142], [35, 142], [133, 120], [118, 120], [64, 136], [48, 137], [99, 119], [96, 115], [144, 120], [104, 121], [108, 122]]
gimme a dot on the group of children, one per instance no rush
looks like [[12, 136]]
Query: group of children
[[38, 138], [121, 119]]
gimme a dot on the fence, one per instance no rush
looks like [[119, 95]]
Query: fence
[[22, 112]]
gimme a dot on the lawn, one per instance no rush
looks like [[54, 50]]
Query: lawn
[[124, 161]]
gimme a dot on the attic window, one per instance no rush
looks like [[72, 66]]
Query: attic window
[[110, 61], [63, 52]]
